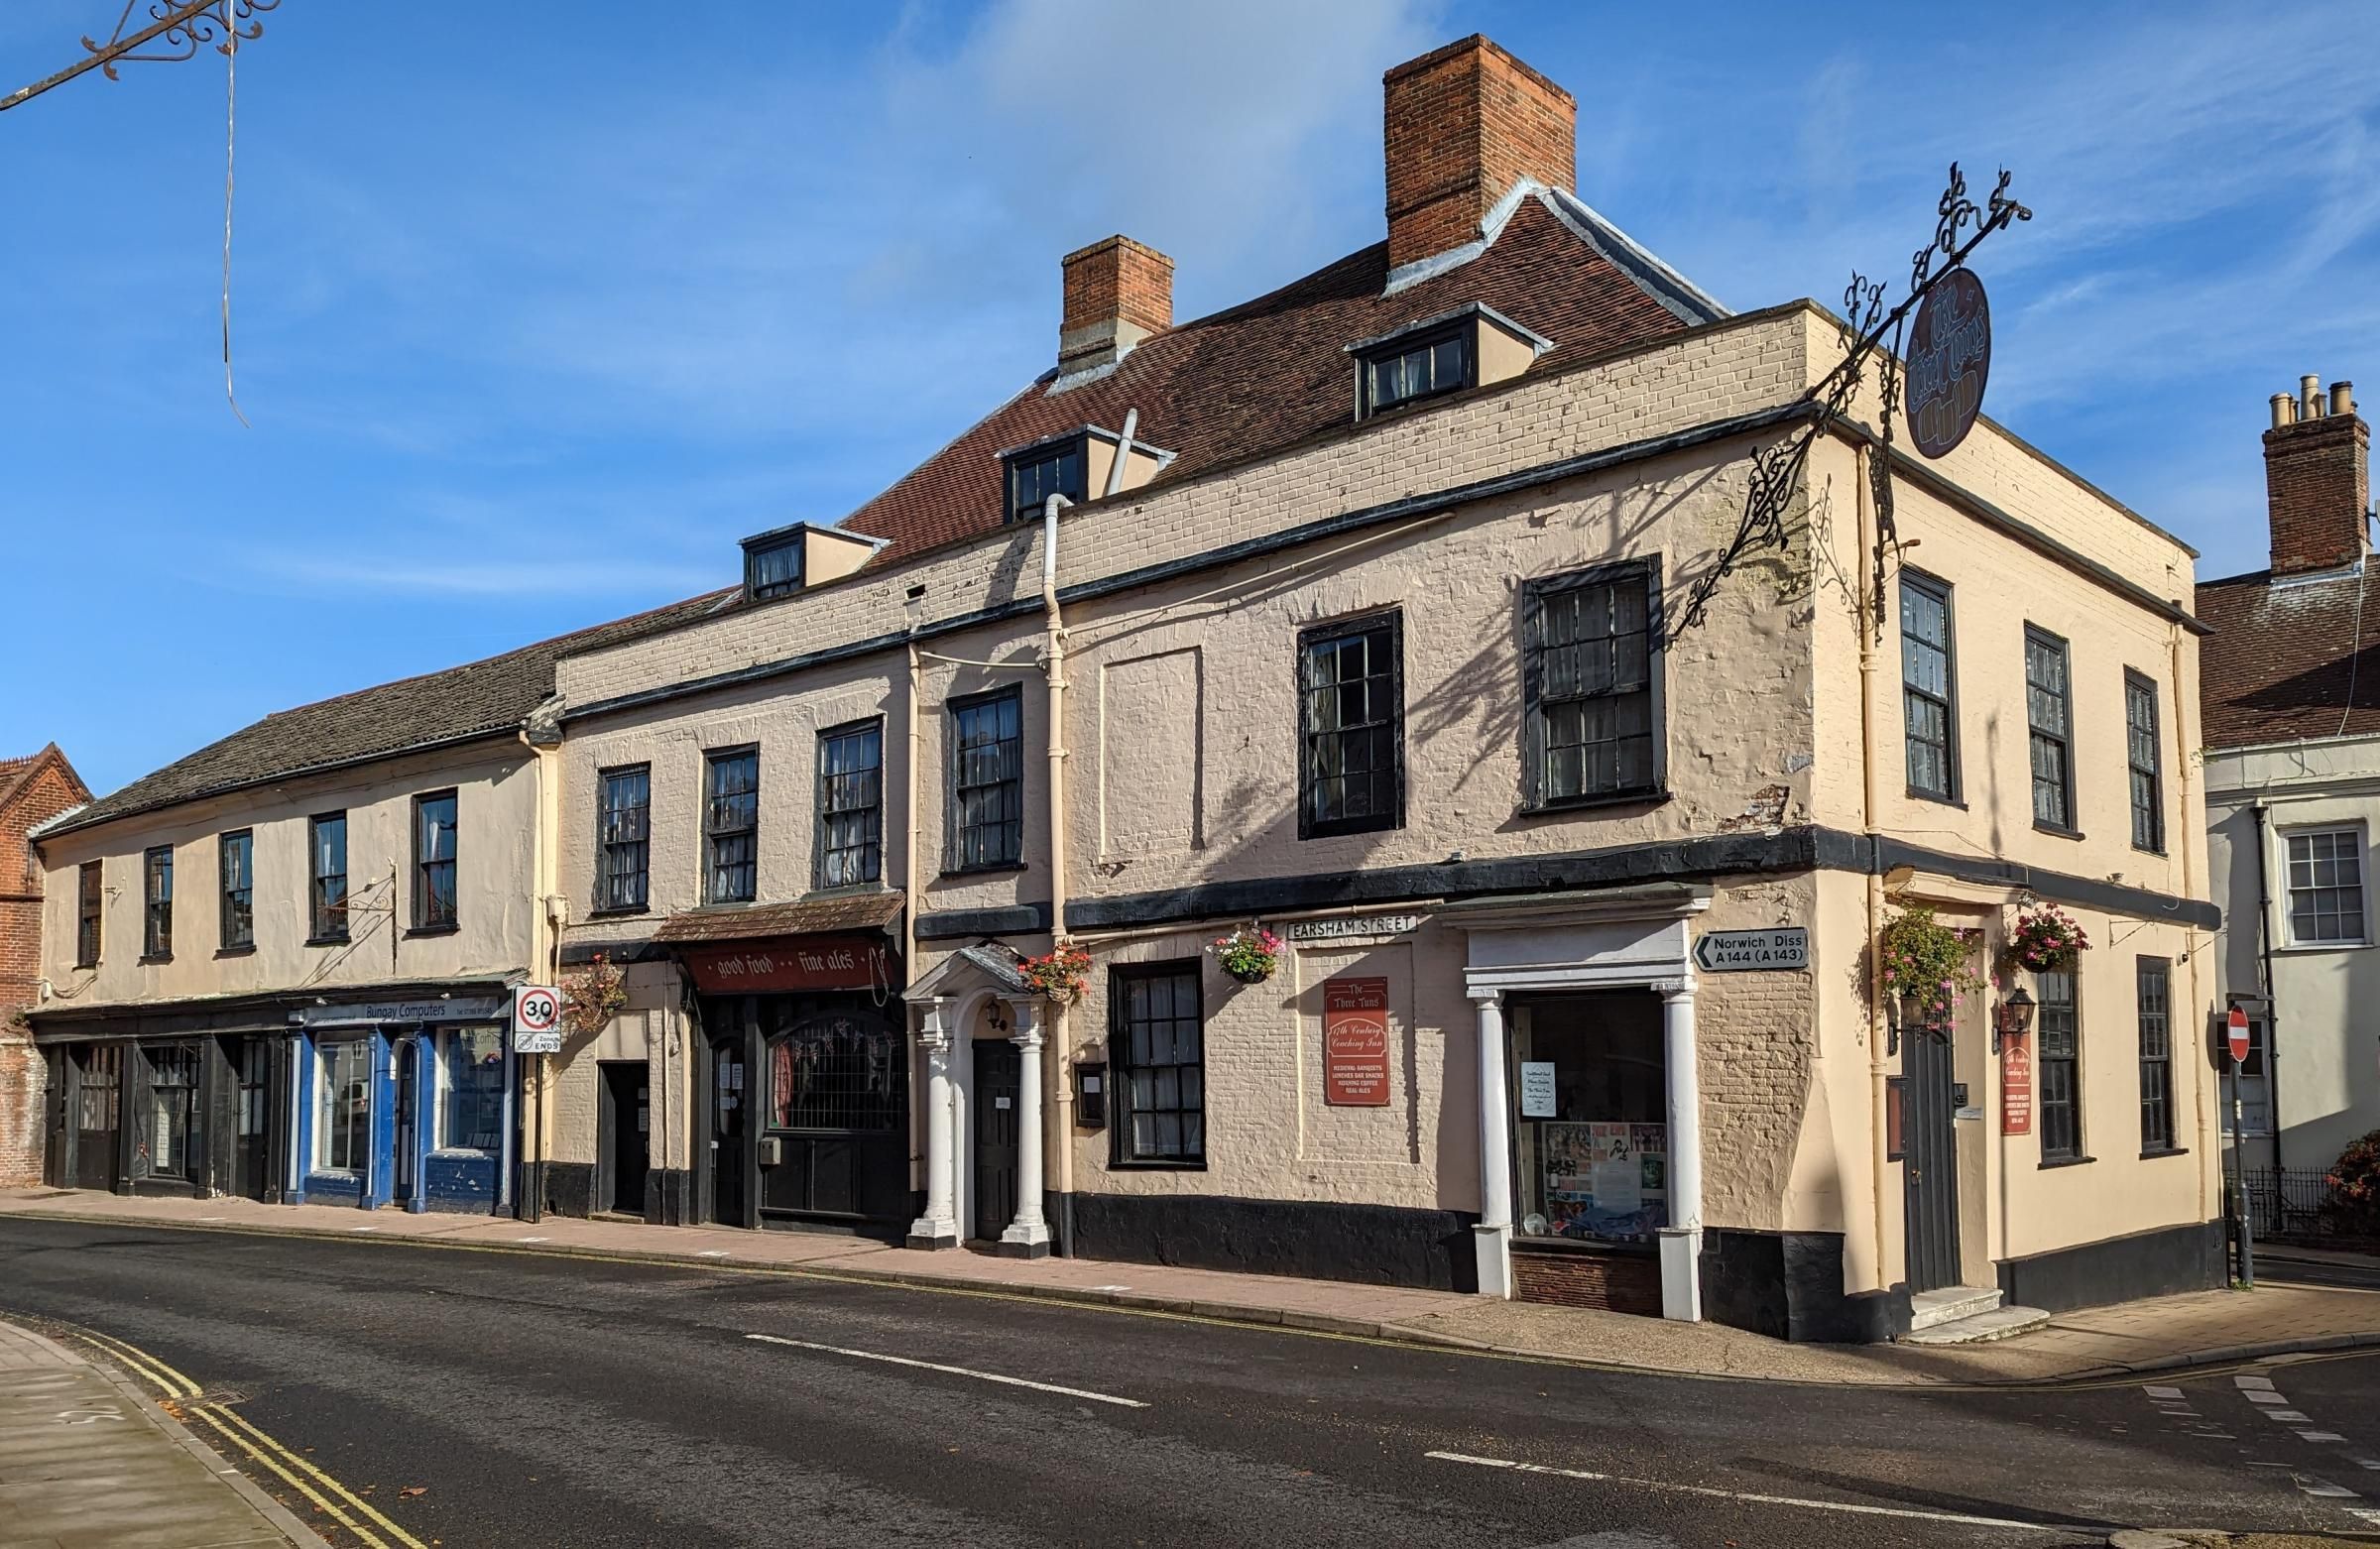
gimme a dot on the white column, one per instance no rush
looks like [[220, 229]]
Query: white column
[[1493, 1241], [1027, 1237], [938, 1226], [1682, 1239]]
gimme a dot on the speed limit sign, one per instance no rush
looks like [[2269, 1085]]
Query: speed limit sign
[[537, 1019]]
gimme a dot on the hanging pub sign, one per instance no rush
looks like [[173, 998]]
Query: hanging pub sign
[[1950, 357], [1355, 1043]]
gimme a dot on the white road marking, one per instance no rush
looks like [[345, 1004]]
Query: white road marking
[[1753, 1498], [2252, 1380], [2324, 1488], [363, 1229], [2262, 1395], [2289, 1416], [2320, 1436], [929, 1366], [2364, 1515], [713, 1252], [2367, 1462], [529, 1240], [2163, 1393]]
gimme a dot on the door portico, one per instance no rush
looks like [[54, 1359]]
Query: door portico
[[948, 1003]]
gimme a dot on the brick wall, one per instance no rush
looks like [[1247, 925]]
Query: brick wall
[[1462, 125], [2317, 482], [1118, 280], [52, 789]]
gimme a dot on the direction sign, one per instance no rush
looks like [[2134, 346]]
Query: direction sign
[[2235, 1034], [1781, 947], [537, 1019]]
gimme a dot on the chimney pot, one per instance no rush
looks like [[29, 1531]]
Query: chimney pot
[[2342, 397], [1460, 126], [1117, 292], [2285, 410], [2309, 397]]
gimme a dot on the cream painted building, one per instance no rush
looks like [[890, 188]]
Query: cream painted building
[[1350, 615]]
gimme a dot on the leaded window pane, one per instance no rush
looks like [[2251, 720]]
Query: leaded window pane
[[2156, 1055], [1926, 703], [732, 827], [622, 817], [1590, 663], [988, 781], [2143, 754], [2059, 1065], [2046, 709], [1160, 1077], [1353, 731]]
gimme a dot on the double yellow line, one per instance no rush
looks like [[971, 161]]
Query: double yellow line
[[341, 1504]]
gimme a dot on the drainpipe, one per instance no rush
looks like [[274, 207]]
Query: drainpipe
[[546, 911], [2264, 985], [912, 882], [1878, 1073], [1053, 658], [2190, 890]]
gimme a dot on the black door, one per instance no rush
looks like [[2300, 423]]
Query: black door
[[995, 1109], [251, 1114], [622, 1123], [1930, 1164], [730, 1115], [98, 1073], [409, 1120]]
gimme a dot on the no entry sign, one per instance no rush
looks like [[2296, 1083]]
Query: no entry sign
[[2235, 1034]]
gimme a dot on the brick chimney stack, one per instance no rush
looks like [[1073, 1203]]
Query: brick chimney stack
[[1118, 293], [2318, 478], [1460, 125]]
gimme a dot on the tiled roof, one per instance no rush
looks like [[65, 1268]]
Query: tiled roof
[[802, 918], [2285, 661], [459, 704], [1273, 371]]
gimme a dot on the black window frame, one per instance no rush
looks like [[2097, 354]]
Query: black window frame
[[157, 903], [1940, 593], [1030, 459], [1123, 1148], [717, 836], [611, 845], [758, 589], [236, 900], [1425, 344], [1366, 627], [91, 913], [2063, 737], [2059, 1032], [835, 787], [426, 922], [955, 826], [2148, 804], [327, 916], [2153, 1008], [1536, 795]]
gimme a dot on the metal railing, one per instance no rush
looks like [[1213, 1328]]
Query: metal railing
[[2295, 1203]]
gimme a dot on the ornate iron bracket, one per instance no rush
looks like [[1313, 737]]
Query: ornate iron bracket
[[180, 27]]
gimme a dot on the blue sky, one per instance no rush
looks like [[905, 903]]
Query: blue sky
[[537, 309]]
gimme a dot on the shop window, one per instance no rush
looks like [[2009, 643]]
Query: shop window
[[434, 862], [1157, 1050], [95, 1101], [1351, 727], [2049, 715], [343, 1106], [86, 915], [173, 1105], [2059, 1066], [731, 827], [235, 855], [622, 836], [2326, 885], [2146, 759], [987, 780], [1590, 677], [326, 843], [1929, 703], [2153, 981], [1593, 1102], [840, 1072], [157, 902], [471, 1118], [851, 804]]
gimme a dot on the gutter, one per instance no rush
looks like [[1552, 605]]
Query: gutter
[[2263, 983]]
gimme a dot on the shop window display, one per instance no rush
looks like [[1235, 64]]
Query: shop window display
[[1590, 1105]]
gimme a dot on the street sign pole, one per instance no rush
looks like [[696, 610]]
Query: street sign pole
[[2236, 1046]]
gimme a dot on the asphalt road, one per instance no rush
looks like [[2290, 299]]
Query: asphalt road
[[537, 1400]]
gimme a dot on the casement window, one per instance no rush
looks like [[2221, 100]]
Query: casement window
[[1157, 1048], [1351, 727], [623, 816], [987, 780], [472, 1071], [2049, 711], [157, 902], [851, 804], [731, 827], [1591, 684], [87, 902], [773, 569], [235, 863], [1929, 687], [2059, 1067], [2144, 754], [434, 862], [1416, 368], [2326, 886], [2152, 978], [326, 843], [343, 1106], [1041, 472]]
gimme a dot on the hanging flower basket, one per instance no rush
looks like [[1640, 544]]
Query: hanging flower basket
[[593, 996], [1929, 962], [1058, 975], [2045, 936], [1252, 954]]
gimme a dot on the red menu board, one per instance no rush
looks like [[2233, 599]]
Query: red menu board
[[2016, 1086], [1355, 1043]]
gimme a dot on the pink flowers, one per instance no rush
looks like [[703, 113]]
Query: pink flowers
[[1249, 954], [2044, 937]]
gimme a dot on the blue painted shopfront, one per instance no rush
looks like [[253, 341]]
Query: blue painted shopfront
[[415, 1116]]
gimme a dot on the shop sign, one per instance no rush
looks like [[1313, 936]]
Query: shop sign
[[2016, 1086], [1342, 926], [1740, 951], [1537, 1089], [796, 963], [1355, 1043], [1950, 357], [462, 1007]]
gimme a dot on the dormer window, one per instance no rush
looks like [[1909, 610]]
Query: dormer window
[[773, 569], [1422, 368], [1039, 471], [783, 560], [1466, 347]]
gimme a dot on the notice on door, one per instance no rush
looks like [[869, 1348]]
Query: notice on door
[[1355, 1043], [2016, 1086]]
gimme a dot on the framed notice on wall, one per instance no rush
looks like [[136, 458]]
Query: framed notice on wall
[[2016, 1086], [1355, 1043]]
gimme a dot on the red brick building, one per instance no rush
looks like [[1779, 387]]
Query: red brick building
[[32, 790]]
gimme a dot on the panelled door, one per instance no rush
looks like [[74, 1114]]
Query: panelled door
[[251, 1060], [1930, 1163], [997, 1072], [98, 1073], [729, 1117], [623, 1121]]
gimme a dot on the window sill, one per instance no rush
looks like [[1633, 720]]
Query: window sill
[[246, 949], [430, 930], [2296, 947], [2155, 850], [85, 968], [621, 911], [2056, 832], [147, 958], [1930, 800], [992, 868], [1341, 831], [1156, 1166], [1617, 798], [2067, 1162], [2167, 1150], [729, 904], [328, 941]]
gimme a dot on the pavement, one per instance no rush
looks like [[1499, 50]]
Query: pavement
[[2284, 1315], [87, 1461]]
